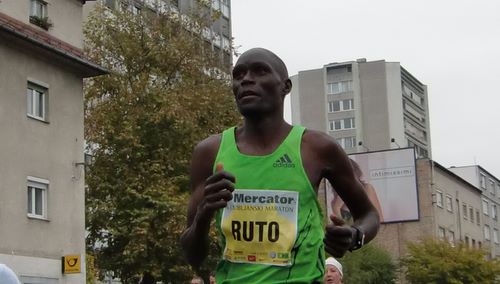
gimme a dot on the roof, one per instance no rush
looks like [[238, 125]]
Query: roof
[[44, 40], [444, 169]]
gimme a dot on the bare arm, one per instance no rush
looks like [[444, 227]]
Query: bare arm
[[335, 166], [372, 195], [337, 204], [209, 192]]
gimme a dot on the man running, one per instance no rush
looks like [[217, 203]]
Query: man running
[[259, 181]]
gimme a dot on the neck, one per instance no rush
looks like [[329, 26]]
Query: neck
[[262, 135]]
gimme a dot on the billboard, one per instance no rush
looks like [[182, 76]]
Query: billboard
[[389, 178]]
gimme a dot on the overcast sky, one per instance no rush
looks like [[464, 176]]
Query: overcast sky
[[452, 46]]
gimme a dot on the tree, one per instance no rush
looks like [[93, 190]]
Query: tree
[[167, 90], [436, 261], [370, 264]]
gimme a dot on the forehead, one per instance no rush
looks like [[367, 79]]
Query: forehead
[[332, 268], [261, 56]]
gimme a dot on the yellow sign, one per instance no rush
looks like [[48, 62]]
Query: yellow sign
[[260, 226], [71, 264]]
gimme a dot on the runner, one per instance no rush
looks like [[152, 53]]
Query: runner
[[260, 182]]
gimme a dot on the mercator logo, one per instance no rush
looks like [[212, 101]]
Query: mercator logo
[[284, 162]]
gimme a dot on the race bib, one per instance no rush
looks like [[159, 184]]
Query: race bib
[[260, 226]]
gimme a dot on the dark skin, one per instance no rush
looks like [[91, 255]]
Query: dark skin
[[260, 84]]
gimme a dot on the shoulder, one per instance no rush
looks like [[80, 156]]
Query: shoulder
[[320, 142], [209, 144]]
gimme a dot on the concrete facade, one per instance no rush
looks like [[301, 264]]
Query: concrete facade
[[42, 210], [364, 105], [488, 210]]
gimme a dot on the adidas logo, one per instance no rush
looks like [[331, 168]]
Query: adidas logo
[[284, 162]]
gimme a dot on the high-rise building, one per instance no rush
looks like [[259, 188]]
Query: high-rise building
[[365, 105], [42, 216]]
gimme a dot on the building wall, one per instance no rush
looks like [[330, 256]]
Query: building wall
[[65, 15], [394, 105], [311, 87], [47, 150], [374, 105], [453, 220]]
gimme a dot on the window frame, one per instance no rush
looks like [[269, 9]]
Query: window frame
[[439, 198], [43, 185], [450, 203], [465, 211], [441, 233], [486, 207], [35, 90], [487, 232], [34, 10], [495, 236]]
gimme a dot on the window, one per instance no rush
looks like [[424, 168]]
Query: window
[[439, 199], [342, 105], [347, 142], [451, 237], [467, 241], [494, 211], [340, 124], [110, 4], [495, 236], [449, 203], [465, 211], [224, 8], [441, 233], [339, 87], [487, 232], [478, 220], [226, 43], [473, 243], [482, 181], [36, 101], [471, 214], [485, 207], [37, 197], [38, 9], [39, 15], [491, 186]]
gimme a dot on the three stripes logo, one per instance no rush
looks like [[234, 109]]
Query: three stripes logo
[[284, 162]]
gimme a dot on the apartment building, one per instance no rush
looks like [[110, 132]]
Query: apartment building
[[42, 216], [219, 35], [365, 105], [489, 185]]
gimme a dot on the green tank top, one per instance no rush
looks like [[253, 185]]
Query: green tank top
[[272, 230]]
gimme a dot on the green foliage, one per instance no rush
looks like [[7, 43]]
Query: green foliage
[[369, 264], [91, 273], [166, 92], [435, 261]]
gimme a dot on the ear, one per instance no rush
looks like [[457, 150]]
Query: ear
[[287, 87]]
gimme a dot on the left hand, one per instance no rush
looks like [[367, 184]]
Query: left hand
[[339, 238]]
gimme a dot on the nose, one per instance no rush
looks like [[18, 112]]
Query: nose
[[247, 78]]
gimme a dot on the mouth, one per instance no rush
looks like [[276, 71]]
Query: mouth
[[247, 94]]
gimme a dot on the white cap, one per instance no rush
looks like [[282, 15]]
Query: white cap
[[334, 262]]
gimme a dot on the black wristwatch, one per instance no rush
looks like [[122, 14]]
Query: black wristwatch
[[358, 240]]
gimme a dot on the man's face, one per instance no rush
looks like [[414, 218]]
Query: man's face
[[258, 87], [332, 275]]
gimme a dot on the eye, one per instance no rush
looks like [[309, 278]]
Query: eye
[[238, 72], [260, 69]]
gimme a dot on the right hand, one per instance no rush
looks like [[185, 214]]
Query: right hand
[[217, 192]]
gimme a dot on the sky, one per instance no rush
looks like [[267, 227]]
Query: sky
[[452, 46]]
